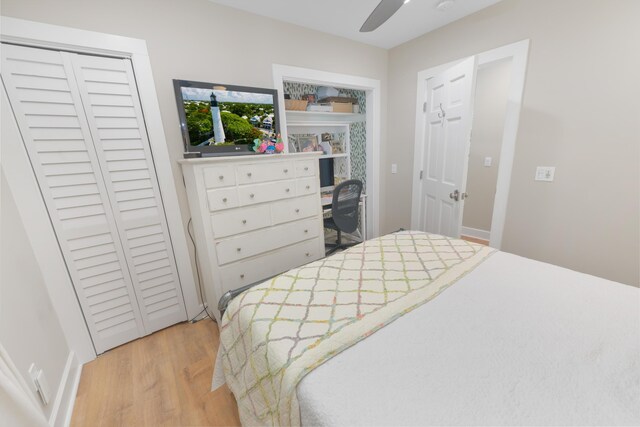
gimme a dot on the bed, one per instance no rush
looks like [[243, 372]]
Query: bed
[[489, 338]]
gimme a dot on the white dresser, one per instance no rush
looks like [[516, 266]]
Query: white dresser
[[253, 217]]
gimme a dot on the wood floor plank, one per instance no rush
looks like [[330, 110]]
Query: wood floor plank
[[475, 240], [163, 379]]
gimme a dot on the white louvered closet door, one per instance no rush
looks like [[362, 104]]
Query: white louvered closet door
[[80, 197], [110, 97]]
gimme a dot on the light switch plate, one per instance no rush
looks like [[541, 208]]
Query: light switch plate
[[394, 168], [488, 161], [545, 173]]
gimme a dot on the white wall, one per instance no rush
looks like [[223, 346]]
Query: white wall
[[489, 109], [203, 41], [29, 327], [580, 113], [589, 133]]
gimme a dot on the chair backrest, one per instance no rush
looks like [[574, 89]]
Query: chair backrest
[[345, 205]]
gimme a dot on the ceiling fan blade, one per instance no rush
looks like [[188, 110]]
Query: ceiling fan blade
[[383, 11]]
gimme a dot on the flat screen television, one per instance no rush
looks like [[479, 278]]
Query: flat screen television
[[220, 119]]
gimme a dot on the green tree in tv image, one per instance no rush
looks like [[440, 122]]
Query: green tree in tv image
[[242, 122]]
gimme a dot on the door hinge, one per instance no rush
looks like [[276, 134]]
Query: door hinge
[[420, 174], [424, 107]]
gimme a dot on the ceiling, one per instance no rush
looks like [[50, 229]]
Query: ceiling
[[345, 17]]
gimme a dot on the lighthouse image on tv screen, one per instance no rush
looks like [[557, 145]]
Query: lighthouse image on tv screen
[[218, 117]]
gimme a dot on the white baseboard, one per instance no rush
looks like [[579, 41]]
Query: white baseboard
[[66, 395], [475, 232]]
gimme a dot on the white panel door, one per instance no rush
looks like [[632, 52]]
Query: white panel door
[[110, 97], [447, 138], [49, 112]]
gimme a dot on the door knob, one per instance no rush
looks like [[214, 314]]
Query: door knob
[[463, 196], [455, 195]]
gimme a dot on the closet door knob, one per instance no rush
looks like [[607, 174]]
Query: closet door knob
[[242, 276], [306, 231], [307, 254], [297, 210], [244, 221], [224, 200], [251, 195], [249, 174]]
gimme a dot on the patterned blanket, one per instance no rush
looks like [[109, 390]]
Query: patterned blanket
[[275, 333]]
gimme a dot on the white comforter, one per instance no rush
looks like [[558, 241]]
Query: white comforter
[[515, 342]]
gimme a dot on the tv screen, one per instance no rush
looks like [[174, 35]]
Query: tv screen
[[219, 119]]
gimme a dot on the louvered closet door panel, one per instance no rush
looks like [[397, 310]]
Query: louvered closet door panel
[[48, 109], [110, 97]]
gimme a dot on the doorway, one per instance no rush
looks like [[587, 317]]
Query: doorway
[[364, 126], [449, 159]]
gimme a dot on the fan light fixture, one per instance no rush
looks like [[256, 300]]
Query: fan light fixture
[[383, 11], [444, 5]]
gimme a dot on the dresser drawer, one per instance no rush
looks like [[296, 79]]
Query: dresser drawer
[[307, 186], [306, 168], [261, 241], [224, 198], [240, 220], [219, 176], [267, 192], [256, 173], [291, 210], [259, 268]]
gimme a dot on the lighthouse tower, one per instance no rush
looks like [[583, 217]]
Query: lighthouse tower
[[218, 130]]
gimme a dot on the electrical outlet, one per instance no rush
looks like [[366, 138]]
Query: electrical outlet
[[394, 168], [545, 173], [488, 161]]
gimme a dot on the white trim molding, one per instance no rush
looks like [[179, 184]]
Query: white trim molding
[[372, 88], [518, 52], [66, 394], [37, 34], [475, 232]]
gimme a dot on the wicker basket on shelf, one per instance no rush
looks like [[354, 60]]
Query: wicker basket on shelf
[[295, 104]]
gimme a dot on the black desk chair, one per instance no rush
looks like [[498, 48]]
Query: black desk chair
[[345, 212]]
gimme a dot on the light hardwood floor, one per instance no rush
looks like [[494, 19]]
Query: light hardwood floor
[[163, 379], [475, 240]]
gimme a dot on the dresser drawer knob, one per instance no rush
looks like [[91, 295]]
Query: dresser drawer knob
[[306, 168], [308, 187], [307, 254], [249, 174], [239, 249], [287, 190], [297, 210], [242, 276], [306, 231], [252, 195], [224, 200], [221, 177], [286, 171], [244, 221]]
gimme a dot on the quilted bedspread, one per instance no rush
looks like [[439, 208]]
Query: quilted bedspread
[[275, 333]]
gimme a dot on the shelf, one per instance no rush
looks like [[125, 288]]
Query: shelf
[[317, 116], [333, 156]]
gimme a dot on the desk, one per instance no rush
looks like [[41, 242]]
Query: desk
[[327, 199]]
